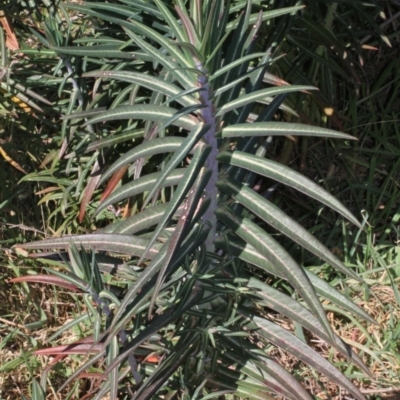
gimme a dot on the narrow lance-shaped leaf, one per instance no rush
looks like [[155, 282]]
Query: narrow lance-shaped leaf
[[124, 244], [141, 185], [122, 316], [147, 113], [170, 121], [89, 190], [155, 325], [111, 8], [258, 95], [112, 352], [250, 255], [173, 23], [259, 362], [181, 76], [82, 368], [289, 307], [254, 378], [11, 86], [146, 149], [109, 141], [271, 249], [37, 391], [330, 293], [183, 350], [78, 347], [113, 182], [280, 221], [187, 25], [140, 221], [253, 85], [72, 279], [268, 372], [266, 15], [20, 99], [66, 327], [286, 341], [287, 176], [186, 146], [247, 145], [95, 51], [222, 89], [133, 26], [147, 81], [181, 229], [183, 188], [280, 129], [47, 279], [306, 50], [233, 64], [235, 388], [245, 387]]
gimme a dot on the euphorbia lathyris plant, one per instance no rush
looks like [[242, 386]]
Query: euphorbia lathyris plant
[[197, 253]]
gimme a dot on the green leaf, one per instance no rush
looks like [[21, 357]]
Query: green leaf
[[147, 81], [171, 21], [324, 289], [147, 113], [184, 185], [146, 149], [115, 243], [267, 15], [243, 378], [280, 129], [264, 370], [275, 217], [159, 322], [187, 145], [236, 387], [117, 9], [122, 316], [140, 6], [287, 176], [226, 68], [83, 368], [181, 75], [188, 27], [233, 83], [250, 255], [113, 376], [278, 256], [37, 391], [98, 51], [67, 327], [289, 307], [140, 221], [313, 55], [257, 95], [109, 141], [185, 220], [134, 25], [141, 185], [183, 350], [286, 341]]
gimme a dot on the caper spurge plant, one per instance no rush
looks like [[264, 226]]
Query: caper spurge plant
[[195, 114]]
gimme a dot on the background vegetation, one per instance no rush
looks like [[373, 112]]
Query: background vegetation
[[356, 67]]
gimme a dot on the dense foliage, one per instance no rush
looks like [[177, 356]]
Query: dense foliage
[[177, 107]]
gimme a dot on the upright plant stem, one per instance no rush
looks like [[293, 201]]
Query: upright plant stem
[[212, 163]]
